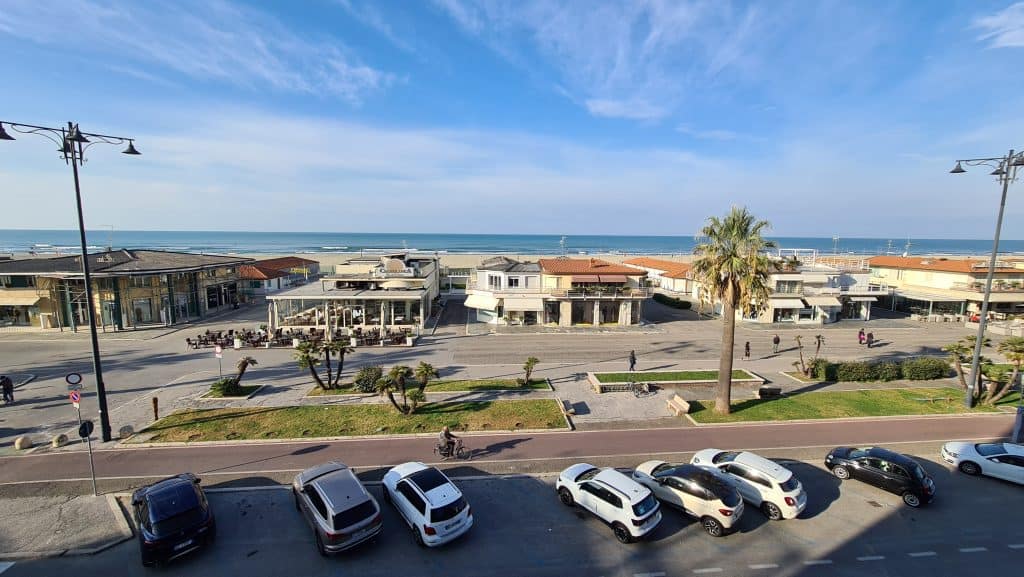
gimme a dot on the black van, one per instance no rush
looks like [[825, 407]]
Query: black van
[[884, 469]]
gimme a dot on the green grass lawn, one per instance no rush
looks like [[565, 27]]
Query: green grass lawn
[[834, 405], [654, 377], [448, 386], [246, 390], [335, 421]]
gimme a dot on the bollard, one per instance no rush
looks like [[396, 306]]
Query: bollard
[[156, 410]]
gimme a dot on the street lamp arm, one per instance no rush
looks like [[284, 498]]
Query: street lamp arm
[[33, 129], [55, 135]]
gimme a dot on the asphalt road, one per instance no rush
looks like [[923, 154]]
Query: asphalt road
[[521, 530]]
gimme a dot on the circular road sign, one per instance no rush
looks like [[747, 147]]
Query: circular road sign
[[75, 396], [73, 379], [85, 429]]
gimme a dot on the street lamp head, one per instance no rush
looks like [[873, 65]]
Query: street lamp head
[[131, 149], [76, 135], [957, 169], [4, 135], [1019, 161], [998, 172]]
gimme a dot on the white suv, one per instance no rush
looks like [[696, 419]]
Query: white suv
[[629, 507], [430, 503], [761, 482], [705, 494]]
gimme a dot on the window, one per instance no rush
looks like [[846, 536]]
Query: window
[[354, 515], [513, 282], [611, 498], [645, 506], [900, 472], [317, 501], [587, 475], [412, 497], [691, 489], [140, 281], [725, 457], [873, 463], [1011, 460], [791, 484], [493, 282], [989, 449], [449, 511], [787, 286]]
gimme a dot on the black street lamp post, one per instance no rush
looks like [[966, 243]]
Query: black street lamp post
[[72, 144], [1005, 170]]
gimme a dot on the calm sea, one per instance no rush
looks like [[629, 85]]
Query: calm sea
[[66, 241]]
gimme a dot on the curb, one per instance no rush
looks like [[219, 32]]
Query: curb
[[853, 419], [204, 398]]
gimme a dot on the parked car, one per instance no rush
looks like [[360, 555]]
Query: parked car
[[762, 483], [174, 519], [627, 506], [703, 493], [884, 469], [1000, 460], [337, 507], [430, 503]]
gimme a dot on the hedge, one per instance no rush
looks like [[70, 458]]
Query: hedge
[[914, 369], [672, 302]]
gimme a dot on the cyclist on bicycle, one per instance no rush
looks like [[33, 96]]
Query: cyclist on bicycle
[[446, 440]]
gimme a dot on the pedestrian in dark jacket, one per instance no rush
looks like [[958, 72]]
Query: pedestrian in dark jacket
[[775, 344], [8, 388], [632, 361], [746, 351], [870, 339]]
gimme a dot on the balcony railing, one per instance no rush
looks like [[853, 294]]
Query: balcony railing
[[996, 286], [584, 294], [844, 290]]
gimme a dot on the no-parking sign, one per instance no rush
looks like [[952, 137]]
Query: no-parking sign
[[75, 398], [218, 351]]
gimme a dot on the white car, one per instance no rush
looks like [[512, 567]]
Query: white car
[[629, 507], [705, 494], [762, 483], [1000, 460], [430, 503]]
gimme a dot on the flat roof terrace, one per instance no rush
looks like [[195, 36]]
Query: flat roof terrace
[[320, 291]]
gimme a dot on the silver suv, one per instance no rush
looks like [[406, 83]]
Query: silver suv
[[337, 506]]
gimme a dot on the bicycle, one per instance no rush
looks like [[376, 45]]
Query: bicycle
[[640, 389]]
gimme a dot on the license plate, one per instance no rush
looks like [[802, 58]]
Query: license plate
[[182, 545], [451, 526]]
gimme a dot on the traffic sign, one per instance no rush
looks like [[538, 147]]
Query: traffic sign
[[85, 429], [218, 352], [74, 381], [75, 398]]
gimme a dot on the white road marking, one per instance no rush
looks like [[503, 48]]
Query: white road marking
[[818, 562], [1016, 546], [871, 558], [5, 565], [764, 566], [923, 554], [973, 549], [708, 570], [654, 574]]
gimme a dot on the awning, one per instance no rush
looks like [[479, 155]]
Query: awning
[[863, 299], [823, 301], [787, 304], [524, 304], [19, 300], [482, 302], [613, 278], [585, 278]]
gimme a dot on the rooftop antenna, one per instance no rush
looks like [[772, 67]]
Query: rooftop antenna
[[906, 247], [888, 249], [561, 244], [835, 245]]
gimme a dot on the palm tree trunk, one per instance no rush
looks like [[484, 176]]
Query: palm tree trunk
[[723, 394], [405, 401], [327, 363], [341, 364], [241, 372], [959, 368], [1007, 387], [394, 403], [316, 376], [423, 385]]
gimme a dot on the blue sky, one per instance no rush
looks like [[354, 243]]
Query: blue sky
[[585, 117]]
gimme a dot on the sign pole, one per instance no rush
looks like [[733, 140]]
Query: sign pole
[[88, 443]]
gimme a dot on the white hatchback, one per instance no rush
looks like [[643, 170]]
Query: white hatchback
[[703, 493], [1000, 460], [762, 483], [629, 507], [430, 503]]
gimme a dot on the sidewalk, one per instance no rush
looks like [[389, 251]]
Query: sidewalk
[[52, 526]]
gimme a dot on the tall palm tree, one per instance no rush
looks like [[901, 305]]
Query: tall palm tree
[[385, 387], [425, 372], [308, 356], [243, 364], [340, 348], [1012, 350], [958, 353], [399, 374], [800, 348], [732, 267]]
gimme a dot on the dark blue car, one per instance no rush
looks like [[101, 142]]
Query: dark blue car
[[173, 517]]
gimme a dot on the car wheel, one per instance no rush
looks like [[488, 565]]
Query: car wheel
[[320, 544], [841, 472], [621, 533], [969, 468], [772, 511], [712, 526], [417, 536], [565, 496], [911, 500]]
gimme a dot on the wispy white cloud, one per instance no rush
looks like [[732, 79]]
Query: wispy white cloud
[[214, 40], [1004, 28], [634, 110], [367, 14], [712, 134]]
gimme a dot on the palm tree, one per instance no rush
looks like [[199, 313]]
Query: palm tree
[[958, 353], [732, 267], [425, 372], [800, 349], [818, 341], [243, 364], [398, 375], [1012, 350], [308, 356], [340, 348], [528, 366], [385, 387]]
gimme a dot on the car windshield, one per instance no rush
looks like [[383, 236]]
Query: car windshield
[[439, 514], [587, 475], [989, 449], [646, 506], [725, 457], [179, 522], [919, 472], [354, 515], [664, 470], [428, 479], [791, 484], [720, 489], [857, 453]]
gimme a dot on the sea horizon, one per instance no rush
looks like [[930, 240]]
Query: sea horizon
[[58, 241]]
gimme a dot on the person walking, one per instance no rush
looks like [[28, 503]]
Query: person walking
[[632, 361], [860, 337], [870, 339], [8, 389], [746, 351], [775, 344]]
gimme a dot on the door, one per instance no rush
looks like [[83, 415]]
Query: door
[[694, 498], [588, 496], [410, 504], [609, 505], [669, 489], [899, 479], [1007, 467], [744, 483], [317, 513], [869, 470]]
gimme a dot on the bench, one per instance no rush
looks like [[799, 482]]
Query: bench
[[678, 406], [614, 387], [769, 392], [567, 407]]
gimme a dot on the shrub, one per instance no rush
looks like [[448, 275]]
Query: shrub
[[856, 371], [925, 368], [888, 372], [226, 387], [366, 379], [672, 302], [823, 370]]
